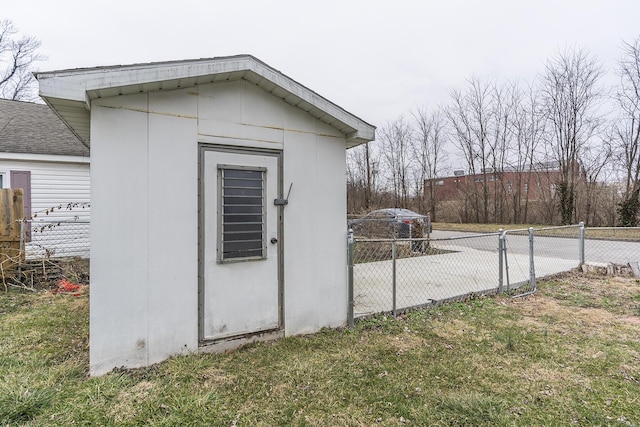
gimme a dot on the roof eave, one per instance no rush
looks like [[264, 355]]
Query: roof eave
[[69, 92]]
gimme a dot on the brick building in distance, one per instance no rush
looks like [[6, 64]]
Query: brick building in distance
[[537, 183]]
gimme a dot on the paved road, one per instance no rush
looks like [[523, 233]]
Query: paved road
[[618, 252], [472, 266]]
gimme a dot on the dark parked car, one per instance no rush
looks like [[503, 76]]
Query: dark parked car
[[390, 222]]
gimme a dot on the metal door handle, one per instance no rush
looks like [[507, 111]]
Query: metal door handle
[[274, 240]]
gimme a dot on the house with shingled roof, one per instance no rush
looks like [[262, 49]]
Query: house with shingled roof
[[39, 154]]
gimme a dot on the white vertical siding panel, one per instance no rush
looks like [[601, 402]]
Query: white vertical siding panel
[[239, 110], [119, 312], [331, 193], [315, 247], [173, 226]]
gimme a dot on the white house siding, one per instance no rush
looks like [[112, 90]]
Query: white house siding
[[144, 278], [57, 183]]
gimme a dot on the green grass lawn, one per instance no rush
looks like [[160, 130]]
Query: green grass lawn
[[569, 355]]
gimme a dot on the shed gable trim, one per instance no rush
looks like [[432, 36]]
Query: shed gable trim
[[70, 91]]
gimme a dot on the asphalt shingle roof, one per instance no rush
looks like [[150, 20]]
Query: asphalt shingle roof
[[31, 128]]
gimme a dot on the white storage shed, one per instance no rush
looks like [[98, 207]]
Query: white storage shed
[[218, 204]]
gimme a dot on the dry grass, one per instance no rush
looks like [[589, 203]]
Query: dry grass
[[568, 355]]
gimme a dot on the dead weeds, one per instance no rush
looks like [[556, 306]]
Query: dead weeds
[[586, 304]]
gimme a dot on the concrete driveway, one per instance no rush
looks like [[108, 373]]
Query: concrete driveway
[[472, 266]]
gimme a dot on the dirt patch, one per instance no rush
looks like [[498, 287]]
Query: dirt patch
[[216, 376], [585, 304], [452, 329], [406, 342]]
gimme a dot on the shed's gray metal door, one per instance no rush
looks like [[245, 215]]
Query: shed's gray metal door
[[239, 245]]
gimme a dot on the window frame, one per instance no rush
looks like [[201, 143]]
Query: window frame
[[220, 214]]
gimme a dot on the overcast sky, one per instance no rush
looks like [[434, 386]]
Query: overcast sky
[[376, 59]]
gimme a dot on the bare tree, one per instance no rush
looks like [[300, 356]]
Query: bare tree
[[362, 173], [428, 149], [355, 182], [17, 56], [480, 118], [571, 97], [503, 104], [594, 162], [468, 119], [528, 129], [395, 142], [626, 131]]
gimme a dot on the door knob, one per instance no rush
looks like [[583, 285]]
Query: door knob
[[274, 240]]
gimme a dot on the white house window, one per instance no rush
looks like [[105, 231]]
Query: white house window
[[241, 215]]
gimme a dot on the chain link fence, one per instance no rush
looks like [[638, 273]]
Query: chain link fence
[[613, 245], [394, 274], [57, 238], [50, 250]]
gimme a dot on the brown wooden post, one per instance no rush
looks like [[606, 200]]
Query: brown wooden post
[[11, 213]]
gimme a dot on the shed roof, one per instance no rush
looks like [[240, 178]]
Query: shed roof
[[69, 92], [29, 128]]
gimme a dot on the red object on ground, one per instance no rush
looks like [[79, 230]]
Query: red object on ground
[[67, 287]]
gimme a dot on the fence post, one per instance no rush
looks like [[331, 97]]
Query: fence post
[[500, 261], [393, 278], [22, 251], [350, 243], [532, 268], [22, 221], [581, 244], [506, 260]]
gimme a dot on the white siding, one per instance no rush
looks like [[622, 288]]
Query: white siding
[[55, 184], [173, 205], [119, 310]]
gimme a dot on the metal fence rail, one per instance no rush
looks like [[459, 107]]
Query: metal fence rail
[[395, 274], [391, 275], [612, 245], [56, 238]]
